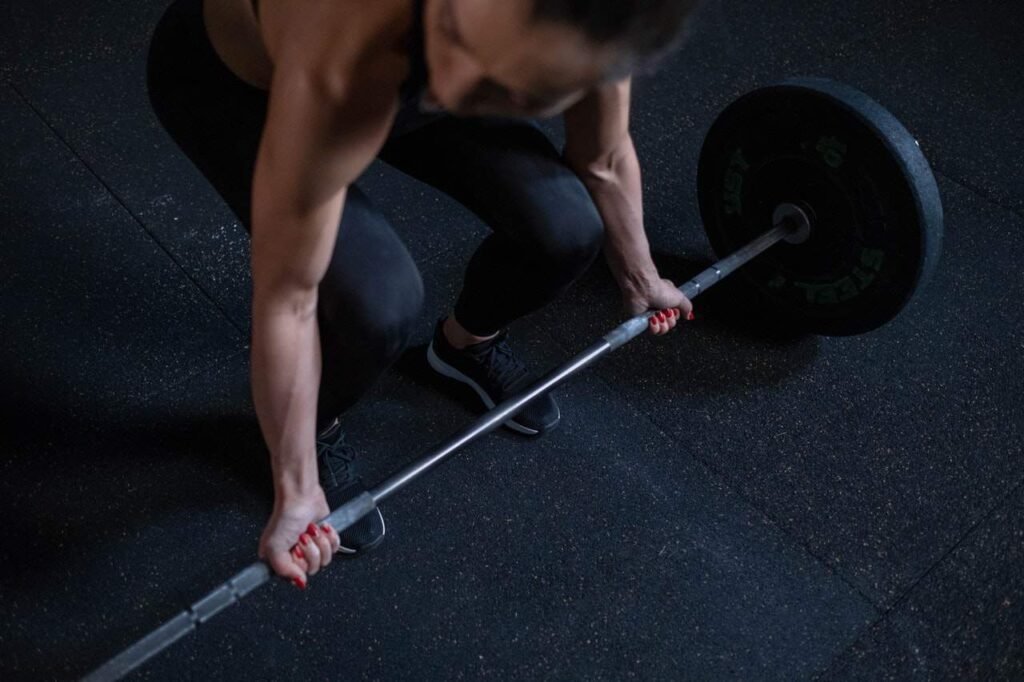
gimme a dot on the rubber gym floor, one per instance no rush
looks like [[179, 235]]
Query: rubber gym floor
[[719, 504]]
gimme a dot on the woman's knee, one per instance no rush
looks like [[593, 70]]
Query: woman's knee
[[395, 314], [361, 335], [572, 235], [378, 319], [372, 292]]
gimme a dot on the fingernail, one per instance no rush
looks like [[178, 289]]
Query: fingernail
[[304, 539], [311, 529], [299, 583], [326, 529], [299, 553], [690, 317]]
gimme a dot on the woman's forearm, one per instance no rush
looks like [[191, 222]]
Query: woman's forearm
[[286, 366], [615, 186]]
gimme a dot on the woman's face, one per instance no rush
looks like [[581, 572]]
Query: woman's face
[[485, 57]]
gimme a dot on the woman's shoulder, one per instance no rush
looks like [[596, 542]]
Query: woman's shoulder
[[337, 36]]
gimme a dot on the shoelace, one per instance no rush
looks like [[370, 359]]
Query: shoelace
[[336, 456], [501, 364]]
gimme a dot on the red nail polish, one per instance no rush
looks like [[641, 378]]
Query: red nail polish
[[299, 583], [691, 317], [661, 317], [304, 539], [311, 529], [326, 529], [299, 553]]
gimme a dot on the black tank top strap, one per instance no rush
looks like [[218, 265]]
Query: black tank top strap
[[416, 81]]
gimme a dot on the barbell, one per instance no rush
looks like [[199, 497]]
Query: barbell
[[816, 191]]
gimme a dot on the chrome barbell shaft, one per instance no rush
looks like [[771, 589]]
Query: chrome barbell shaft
[[257, 574]]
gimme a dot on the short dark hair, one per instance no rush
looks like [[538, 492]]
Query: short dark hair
[[646, 28]]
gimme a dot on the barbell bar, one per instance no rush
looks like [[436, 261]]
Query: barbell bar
[[258, 573], [860, 211]]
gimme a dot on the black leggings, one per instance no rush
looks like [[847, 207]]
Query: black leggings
[[546, 229]]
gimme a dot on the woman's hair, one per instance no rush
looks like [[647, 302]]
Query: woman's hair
[[647, 29]]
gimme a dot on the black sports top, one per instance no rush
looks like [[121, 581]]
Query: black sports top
[[411, 113], [416, 81]]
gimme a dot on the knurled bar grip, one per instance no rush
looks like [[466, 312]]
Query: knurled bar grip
[[170, 632], [347, 514], [213, 603]]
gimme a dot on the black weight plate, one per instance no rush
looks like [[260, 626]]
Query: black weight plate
[[855, 170]]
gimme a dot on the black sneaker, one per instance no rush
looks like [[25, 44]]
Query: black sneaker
[[335, 462], [493, 371]]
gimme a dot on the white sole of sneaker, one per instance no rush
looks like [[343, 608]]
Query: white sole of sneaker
[[383, 531], [442, 367]]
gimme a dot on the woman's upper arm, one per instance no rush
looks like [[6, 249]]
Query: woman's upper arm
[[320, 134]]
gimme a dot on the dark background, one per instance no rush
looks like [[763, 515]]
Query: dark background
[[718, 504]]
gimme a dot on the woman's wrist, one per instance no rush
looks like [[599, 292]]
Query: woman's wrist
[[633, 273], [296, 483]]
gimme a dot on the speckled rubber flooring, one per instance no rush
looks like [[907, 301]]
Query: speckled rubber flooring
[[715, 505]]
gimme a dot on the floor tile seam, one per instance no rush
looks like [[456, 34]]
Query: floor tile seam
[[867, 36], [719, 477], [797, 541], [131, 214], [982, 518], [978, 192], [901, 599]]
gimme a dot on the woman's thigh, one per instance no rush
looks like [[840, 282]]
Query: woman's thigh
[[370, 297], [372, 286], [215, 117], [509, 173]]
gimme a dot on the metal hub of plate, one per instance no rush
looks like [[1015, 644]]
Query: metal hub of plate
[[796, 219]]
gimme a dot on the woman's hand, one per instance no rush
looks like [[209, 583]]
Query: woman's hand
[[655, 293], [293, 544]]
